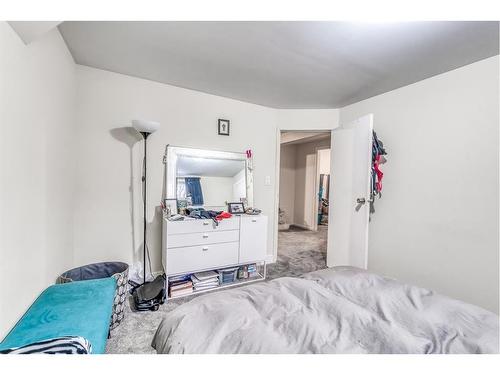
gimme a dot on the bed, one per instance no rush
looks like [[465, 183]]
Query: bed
[[337, 310]]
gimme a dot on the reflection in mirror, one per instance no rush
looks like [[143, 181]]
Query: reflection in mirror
[[208, 179], [210, 183]]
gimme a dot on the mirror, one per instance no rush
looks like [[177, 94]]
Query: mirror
[[208, 179]]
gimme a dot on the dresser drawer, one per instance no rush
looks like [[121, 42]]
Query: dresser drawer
[[202, 238], [200, 226], [188, 259]]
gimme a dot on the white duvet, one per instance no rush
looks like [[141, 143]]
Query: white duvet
[[339, 310]]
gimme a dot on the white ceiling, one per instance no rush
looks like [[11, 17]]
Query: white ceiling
[[29, 31], [297, 137], [194, 166], [282, 64]]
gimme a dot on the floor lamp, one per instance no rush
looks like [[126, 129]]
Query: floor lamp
[[145, 128]]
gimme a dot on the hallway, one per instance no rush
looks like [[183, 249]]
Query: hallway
[[299, 251]]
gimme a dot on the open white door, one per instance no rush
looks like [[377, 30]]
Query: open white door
[[351, 155]]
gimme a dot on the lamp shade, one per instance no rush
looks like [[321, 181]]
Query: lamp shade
[[144, 126]]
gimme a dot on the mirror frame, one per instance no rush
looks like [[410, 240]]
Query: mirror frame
[[173, 152]]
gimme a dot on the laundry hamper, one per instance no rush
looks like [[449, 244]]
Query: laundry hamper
[[118, 270]]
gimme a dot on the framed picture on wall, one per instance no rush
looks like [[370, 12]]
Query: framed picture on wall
[[223, 127]]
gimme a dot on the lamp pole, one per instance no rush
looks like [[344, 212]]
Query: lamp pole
[[144, 199], [145, 128]]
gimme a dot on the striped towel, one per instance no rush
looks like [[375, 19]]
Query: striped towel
[[59, 345]]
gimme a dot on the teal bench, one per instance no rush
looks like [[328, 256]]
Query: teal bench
[[79, 308]]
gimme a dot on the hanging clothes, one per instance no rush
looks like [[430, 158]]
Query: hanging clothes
[[216, 216], [378, 158], [378, 172], [193, 189]]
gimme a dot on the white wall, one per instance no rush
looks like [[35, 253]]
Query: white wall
[[216, 191], [239, 186], [437, 223], [305, 119], [296, 196], [37, 94], [305, 187], [108, 211]]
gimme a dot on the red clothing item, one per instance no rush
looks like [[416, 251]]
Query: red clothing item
[[380, 175], [223, 215]]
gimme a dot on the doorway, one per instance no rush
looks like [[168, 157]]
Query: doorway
[[349, 192], [304, 183]]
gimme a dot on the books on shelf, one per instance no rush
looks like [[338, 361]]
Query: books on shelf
[[183, 285], [180, 286], [206, 283], [181, 292], [247, 271], [200, 276], [205, 287], [185, 277], [205, 280]]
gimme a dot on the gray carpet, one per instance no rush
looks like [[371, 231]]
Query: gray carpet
[[299, 252]]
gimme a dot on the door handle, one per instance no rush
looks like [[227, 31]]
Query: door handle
[[204, 248], [362, 201]]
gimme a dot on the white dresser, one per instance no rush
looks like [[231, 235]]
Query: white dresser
[[197, 245]]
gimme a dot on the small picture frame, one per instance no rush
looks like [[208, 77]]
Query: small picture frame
[[223, 127], [236, 208], [181, 206], [171, 206]]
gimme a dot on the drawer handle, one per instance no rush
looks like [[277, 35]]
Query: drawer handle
[[254, 220], [205, 236], [205, 223], [204, 248]]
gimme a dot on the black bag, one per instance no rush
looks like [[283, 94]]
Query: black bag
[[150, 296]]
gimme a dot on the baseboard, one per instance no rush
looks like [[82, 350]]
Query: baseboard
[[301, 226], [270, 259]]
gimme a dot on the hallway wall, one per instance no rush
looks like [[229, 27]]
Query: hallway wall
[[302, 205], [293, 184], [287, 181]]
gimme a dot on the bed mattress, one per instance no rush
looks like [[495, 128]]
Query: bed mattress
[[337, 310]]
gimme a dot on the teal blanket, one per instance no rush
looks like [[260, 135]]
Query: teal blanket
[[80, 308]]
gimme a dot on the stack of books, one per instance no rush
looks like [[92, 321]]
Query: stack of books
[[205, 280], [180, 286]]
